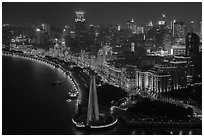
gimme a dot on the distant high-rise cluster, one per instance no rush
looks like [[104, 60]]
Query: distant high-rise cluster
[[156, 57]]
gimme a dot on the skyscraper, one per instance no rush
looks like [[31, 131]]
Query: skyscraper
[[192, 44], [178, 31], [162, 21], [192, 50], [80, 25]]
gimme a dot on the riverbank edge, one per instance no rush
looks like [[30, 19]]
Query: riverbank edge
[[45, 61]]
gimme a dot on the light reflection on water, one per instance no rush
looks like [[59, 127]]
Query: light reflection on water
[[44, 108]]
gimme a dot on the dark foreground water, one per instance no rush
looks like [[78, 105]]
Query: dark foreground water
[[31, 105]]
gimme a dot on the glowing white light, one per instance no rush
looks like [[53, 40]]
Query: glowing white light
[[37, 29], [132, 20]]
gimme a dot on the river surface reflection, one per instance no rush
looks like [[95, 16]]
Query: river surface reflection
[[32, 105]]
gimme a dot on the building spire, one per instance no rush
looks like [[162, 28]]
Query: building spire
[[132, 20]]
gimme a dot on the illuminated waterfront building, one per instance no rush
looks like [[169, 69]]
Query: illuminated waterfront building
[[104, 55], [129, 77], [152, 80], [164, 76]]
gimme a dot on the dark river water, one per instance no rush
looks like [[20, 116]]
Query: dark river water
[[32, 105]]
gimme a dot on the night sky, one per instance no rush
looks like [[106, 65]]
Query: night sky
[[59, 13]]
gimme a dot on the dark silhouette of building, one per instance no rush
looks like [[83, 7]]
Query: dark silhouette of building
[[192, 26], [192, 44], [192, 50], [43, 36]]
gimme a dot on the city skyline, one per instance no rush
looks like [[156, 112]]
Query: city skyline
[[124, 68], [99, 13]]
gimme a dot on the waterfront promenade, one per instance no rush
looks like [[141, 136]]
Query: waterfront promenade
[[130, 120]]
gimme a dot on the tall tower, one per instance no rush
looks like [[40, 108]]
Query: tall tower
[[133, 47], [192, 44], [178, 32], [80, 24], [79, 16], [173, 27], [93, 111]]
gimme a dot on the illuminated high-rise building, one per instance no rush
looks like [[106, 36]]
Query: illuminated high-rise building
[[162, 21], [150, 24], [118, 27], [65, 32], [133, 47], [79, 16], [178, 31], [172, 27], [80, 25], [131, 25]]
